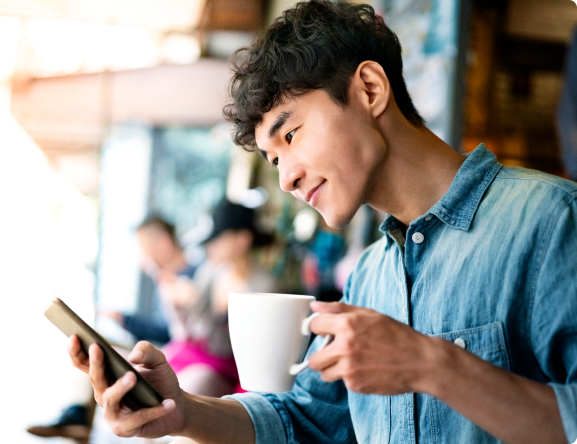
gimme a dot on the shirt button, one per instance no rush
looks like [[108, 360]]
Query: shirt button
[[460, 342], [428, 218], [418, 238]]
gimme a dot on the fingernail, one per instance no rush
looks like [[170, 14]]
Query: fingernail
[[136, 355], [168, 404], [127, 378]]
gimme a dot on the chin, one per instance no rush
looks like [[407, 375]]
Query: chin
[[336, 221]]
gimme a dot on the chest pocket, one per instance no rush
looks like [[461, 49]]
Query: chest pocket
[[447, 426], [487, 342]]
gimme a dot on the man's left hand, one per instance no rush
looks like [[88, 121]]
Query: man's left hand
[[372, 353]]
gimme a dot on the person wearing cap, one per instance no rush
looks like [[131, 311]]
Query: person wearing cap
[[200, 351]]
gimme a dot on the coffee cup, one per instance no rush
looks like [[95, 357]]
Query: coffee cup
[[269, 333]]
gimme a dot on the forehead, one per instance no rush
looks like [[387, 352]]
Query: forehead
[[294, 108], [262, 131], [286, 105]]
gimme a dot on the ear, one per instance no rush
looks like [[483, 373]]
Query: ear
[[373, 87]]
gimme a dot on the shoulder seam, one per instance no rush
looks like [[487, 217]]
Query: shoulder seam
[[572, 193]]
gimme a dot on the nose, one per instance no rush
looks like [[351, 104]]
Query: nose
[[289, 177]]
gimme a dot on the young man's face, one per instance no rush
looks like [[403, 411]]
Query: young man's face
[[326, 154]]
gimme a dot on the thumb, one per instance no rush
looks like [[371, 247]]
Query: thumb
[[145, 354], [330, 307]]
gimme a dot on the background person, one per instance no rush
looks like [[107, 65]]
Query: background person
[[200, 350], [164, 260]]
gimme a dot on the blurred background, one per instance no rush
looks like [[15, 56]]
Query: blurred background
[[110, 110]]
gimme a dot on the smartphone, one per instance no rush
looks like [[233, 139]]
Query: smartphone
[[142, 395]]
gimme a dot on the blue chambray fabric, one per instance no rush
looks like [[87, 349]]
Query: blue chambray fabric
[[497, 269]]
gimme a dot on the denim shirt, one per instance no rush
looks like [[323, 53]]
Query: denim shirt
[[494, 269]]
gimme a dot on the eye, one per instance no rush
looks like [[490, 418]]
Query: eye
[[275, 161], [289, 135]]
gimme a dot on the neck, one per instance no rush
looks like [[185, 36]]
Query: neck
[[415, 173], [241, 266]]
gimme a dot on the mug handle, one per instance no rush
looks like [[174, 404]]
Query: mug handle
[[295, 369]]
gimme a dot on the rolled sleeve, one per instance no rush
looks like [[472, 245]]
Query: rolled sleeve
[[567, 401], [314, 411], [268, 427]]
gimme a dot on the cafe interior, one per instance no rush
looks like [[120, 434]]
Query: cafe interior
[[112, 110]]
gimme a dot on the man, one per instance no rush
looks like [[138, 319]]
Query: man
[[462, 320], [164, 260]]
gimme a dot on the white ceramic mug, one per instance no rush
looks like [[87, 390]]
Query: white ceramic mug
[[269, 335]]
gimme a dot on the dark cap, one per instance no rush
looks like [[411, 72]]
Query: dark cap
[[231, 216]]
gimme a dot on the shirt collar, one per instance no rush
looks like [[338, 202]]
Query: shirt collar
[[459, 204]]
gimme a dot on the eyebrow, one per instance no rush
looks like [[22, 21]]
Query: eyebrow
[[278, 123]]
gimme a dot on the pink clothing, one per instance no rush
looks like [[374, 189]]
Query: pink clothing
[[181, 354], [200, 335]]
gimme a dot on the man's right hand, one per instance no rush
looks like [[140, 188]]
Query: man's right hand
[[165, 419]]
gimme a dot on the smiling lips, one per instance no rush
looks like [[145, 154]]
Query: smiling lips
[[313, 195]]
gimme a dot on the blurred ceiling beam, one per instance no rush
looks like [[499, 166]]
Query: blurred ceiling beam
[[165, 15], [156, 15], [70, 114], [237, 15]]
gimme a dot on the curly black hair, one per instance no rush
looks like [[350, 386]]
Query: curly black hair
[[315, 45]]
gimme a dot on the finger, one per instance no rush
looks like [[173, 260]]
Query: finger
[[136, 420], [320, 361], [337, 317], [324, 358], [112, 396], [326, 324], [332, 373], [331, 363], [77, 356], [97, 373], [354, 379], [331, 307], [147, 355]]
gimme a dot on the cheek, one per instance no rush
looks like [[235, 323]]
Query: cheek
[[222, 249], [214, 251]]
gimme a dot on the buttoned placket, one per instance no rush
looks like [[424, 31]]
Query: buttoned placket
[[417, 234], [415, 238], [408, 399]]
